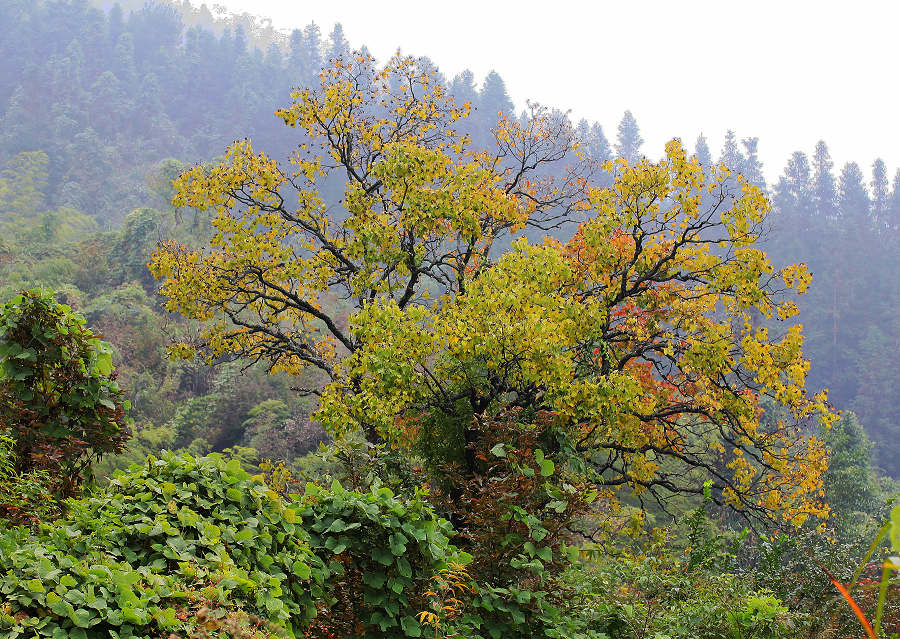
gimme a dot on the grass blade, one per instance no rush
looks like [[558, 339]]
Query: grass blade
[[881, 535]]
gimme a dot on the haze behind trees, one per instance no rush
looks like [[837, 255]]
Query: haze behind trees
[[452, 371], [107, 96]]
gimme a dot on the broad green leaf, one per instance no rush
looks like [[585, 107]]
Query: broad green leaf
[[547, 467], [301, 570]]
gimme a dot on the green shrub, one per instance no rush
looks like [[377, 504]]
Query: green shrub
[[24, 498], [381, 553], [199, 548], [59, 399], [163, 542]]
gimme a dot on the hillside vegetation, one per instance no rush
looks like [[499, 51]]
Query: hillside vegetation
[[298, 343]]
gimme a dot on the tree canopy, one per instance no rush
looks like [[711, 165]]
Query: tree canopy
[[640, 334]]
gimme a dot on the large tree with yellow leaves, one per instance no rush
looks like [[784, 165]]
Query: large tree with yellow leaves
[[640, 336]]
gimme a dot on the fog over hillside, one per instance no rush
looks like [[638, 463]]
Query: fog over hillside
[[392, 320]]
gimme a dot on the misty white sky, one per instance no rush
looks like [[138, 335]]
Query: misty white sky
[[789, 72]]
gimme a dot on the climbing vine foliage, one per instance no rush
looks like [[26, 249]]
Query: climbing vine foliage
[[654, 336]]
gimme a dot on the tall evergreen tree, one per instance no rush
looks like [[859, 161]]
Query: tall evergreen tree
[[240, 41], [874, 368], [599, 152], [305, 54], [794, 195], [702, 152], [110, 105], [853, 199], [583, 132], [18, 128], [731, 154], [851, 483], [115, 25], [274, 61], [157, 31], [296, 53], [598, 145], [463, 88], [893, 216], [493, 98], [312, 40], [124, 66], [824, 185], [880, 192], [752, 169], [337, 42], [628, 139], [427, 66]]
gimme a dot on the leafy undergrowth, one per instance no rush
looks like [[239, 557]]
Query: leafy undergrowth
[[198, 548], [192, 548], [652, 598]]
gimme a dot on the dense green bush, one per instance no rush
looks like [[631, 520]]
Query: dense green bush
[[180, 545], [381, 552], [165, 540], [59, 399]]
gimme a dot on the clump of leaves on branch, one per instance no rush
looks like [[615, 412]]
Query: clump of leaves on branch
[[638, 335]]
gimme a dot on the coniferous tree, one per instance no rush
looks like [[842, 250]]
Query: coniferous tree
[[240, 41], [794, 193], [70, 71], [115, 25], [702, 152], [599, 153], [490, 103], [752, 169], [274, 61], [18, 128], [583, 132], [704, 157], [853, 199], [628, 139], [157, 31], [124, 67], [893, 217], [824, 185], [463, 88], [109, 105], [427, 66], [598, 145], [851, 482], [305, 53], [295, 49], [874, 368], [880, 192], [731, 154], [493, 98], [337, 43]]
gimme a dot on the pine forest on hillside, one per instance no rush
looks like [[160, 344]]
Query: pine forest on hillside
[[299, 343]]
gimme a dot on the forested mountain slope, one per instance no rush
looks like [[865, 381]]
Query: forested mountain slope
[[101, 105]]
